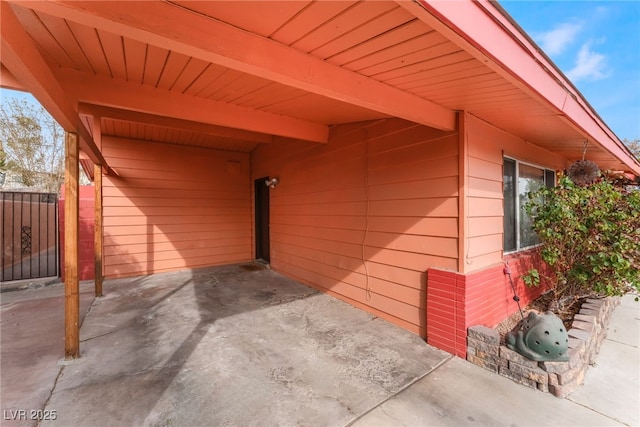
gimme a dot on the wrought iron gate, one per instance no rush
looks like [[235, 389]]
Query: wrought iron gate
[[29, 230]]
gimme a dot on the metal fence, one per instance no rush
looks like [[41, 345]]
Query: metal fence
[[28, 227]]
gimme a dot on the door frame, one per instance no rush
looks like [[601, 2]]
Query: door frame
[[262, 220]]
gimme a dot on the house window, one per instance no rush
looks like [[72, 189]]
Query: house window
[[519, 179]]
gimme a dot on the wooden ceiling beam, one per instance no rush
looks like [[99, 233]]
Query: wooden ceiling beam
[[118, 94], [170, 122], [8, 80], [180, 30], [23, 60]]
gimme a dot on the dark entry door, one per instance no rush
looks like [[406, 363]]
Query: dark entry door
[[262, 219], [28, 229]]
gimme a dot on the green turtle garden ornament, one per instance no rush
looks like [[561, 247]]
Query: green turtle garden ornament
[[540, 338]]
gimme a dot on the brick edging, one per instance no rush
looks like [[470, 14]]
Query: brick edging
[[558, 378]]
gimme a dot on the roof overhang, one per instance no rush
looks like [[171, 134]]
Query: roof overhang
[[486, 29], [232, 75]]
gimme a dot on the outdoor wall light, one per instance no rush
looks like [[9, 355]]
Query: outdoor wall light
[[272, 183]]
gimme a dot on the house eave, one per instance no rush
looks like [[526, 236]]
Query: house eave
[[488, 32]]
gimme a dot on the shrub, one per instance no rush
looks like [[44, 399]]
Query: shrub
[[590, 239]]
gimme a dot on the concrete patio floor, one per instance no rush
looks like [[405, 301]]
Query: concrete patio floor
[[236, 345]]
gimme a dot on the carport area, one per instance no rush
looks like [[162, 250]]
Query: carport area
[[355, 146], [244, 345], [232, 345]]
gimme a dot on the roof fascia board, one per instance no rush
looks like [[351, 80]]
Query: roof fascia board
[[485, 32], [22, 58], [181, 30], [119, 94], [576, 99]]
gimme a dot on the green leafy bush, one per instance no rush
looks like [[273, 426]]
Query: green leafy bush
[[590, 239]]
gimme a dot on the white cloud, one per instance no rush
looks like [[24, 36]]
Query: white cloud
[[555, 41], [590, 65]]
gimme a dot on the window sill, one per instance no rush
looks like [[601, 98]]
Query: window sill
[[521, 253]]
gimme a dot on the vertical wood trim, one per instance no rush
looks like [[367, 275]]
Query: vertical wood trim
[[71, 236], [98, 236], [463, 183]]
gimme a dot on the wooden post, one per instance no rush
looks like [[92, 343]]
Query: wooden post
[[463, 185], [97, 178], [71, 283]]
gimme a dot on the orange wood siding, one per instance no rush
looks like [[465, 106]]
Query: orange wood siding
[[86, 221], [174, 207], [486, 147], [364, 216]]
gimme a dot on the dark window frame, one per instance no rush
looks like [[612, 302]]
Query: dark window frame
[[512, 198]]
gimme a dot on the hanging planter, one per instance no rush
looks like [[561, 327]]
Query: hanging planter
[[583, 172]]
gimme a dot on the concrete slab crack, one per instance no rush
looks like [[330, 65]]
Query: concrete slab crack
[[53, 389], [621, 342], [597, 412], [406, 386], [400, 423]]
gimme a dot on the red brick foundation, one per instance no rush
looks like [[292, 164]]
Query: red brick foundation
[[457, 301]]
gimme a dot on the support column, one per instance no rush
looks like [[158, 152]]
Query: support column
[[71, 282], [97, 182], [463, 185]]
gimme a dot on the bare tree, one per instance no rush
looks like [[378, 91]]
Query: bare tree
[[32, 145], [634, 146]]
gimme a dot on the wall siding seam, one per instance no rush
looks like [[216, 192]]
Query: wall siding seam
[[339, 281], [388, 316]]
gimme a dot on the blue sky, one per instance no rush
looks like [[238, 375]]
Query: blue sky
[[597, 45]]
